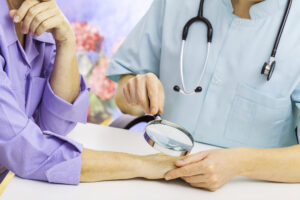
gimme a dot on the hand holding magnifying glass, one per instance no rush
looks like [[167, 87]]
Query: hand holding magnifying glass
[[166, 137], [145, 91]]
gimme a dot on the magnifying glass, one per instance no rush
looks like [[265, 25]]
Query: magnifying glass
[[168, 138]]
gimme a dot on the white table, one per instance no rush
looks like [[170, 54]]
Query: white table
[[109, 139]]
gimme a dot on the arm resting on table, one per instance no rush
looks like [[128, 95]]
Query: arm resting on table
[[278, 165], [102, 166]]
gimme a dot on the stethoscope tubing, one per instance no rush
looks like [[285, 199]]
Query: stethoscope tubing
[[281, 29], [184, 90], [267, 69]]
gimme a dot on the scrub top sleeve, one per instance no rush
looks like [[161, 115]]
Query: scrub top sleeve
[[141, 51], [296, 100], [59, 116], [27, 151]]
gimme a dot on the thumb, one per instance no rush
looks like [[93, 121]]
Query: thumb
[[12, 13]]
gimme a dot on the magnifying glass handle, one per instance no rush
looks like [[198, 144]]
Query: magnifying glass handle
[[157, 117]]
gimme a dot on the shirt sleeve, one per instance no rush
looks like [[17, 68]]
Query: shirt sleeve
[[29, 152], [141, 51], [54, 113], [59, 116]]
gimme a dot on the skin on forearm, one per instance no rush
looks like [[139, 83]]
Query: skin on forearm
[[103, 166], [121, 101], [65, 78], [278, 165]]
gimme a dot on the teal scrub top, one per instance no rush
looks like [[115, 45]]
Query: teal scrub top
[[238, 107]]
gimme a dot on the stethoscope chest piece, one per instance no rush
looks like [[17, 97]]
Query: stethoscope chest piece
[[269, 68]]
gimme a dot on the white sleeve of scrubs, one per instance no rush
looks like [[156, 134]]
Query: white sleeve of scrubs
[[141, 51]]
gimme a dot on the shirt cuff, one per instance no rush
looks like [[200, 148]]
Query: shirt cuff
[[69, 171], [76, 112], [42, 156]]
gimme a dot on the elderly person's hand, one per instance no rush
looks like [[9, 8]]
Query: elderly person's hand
[[37, 17]]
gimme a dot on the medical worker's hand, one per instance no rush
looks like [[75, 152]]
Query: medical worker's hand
[[209, 170], [145, 91], [37, 17]]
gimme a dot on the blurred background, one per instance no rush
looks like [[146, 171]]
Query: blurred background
[[100, 27]]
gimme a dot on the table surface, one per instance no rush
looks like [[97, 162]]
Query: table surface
[[110, 139]]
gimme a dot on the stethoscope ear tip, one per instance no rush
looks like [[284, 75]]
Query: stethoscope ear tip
[[198, 89], [176, 88]]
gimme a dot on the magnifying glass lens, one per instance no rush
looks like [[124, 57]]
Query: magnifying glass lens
[[169, 137]]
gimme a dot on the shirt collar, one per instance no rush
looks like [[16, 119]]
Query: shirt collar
[[45, 38], [262, 9]]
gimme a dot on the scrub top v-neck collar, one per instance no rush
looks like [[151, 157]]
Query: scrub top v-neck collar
[[258, 11]]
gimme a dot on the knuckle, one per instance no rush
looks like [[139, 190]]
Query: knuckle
[[31, 12], [44, 25], [38, 19], [136, 80], [149, 76], [211, 168], [139, 77], [131, 82]]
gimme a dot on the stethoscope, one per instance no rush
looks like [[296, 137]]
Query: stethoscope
[[268, 67]]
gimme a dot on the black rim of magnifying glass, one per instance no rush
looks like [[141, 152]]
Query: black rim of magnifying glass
[[151, 142]]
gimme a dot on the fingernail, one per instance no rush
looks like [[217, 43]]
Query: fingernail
[[153, 110], [167, 178], [16, 19]]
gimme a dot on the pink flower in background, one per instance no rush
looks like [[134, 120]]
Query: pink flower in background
[[103, 87], [88, 37]]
